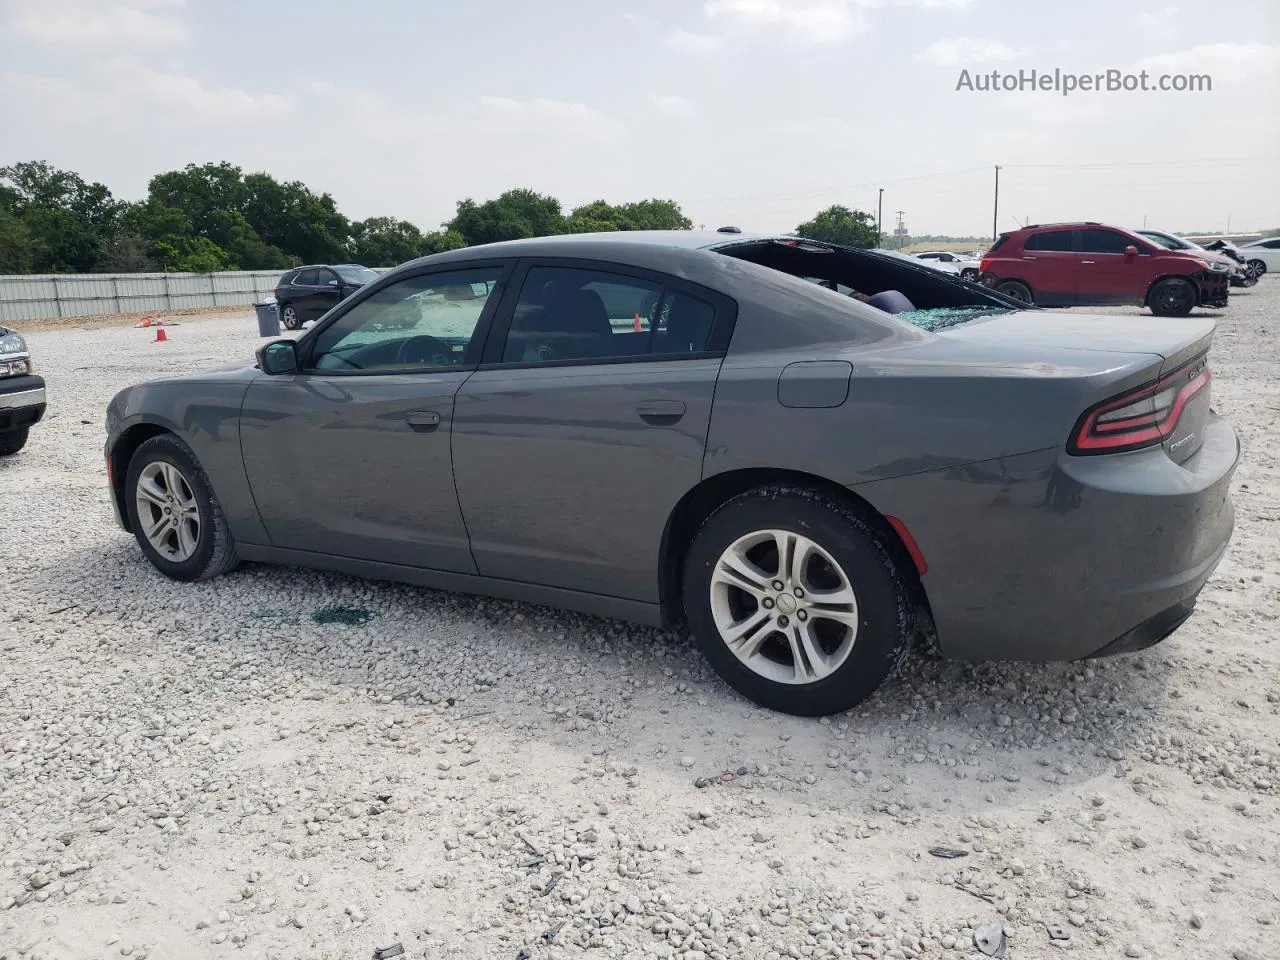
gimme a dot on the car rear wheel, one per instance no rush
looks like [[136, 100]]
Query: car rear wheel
[[1172, 297], [174, 514], [289, 317], [969, 273], [11, 441], [796, 600], [1016, 289]]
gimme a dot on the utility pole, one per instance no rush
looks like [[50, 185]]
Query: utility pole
[[900, 231], [880, 218], [995, 210]]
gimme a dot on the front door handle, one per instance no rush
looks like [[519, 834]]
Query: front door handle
[[423, 419], [660, 412], [1029, 258]]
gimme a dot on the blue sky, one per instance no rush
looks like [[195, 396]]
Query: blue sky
[[752, 112]]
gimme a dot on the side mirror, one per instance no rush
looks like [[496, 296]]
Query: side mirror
[[278, 357], [1130, 251]]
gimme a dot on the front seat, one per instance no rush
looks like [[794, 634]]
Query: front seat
[[890, 301]]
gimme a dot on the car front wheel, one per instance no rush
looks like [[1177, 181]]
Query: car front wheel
[[1259, 267], [796, 600], [174, 514], [1172, 297], [289, 317]]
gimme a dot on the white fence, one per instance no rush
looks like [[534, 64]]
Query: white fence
[[46, 296]]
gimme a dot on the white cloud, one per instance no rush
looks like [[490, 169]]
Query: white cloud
[[94, 22], [673, 106], [694, 42], [544, 109], [963, 51], [819, 22], [1234, 58], [639, 19], [806, 21], [130, 78]]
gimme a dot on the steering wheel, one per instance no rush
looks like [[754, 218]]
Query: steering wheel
[[425, 351]]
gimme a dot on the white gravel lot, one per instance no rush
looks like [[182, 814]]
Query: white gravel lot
[[205, 771]]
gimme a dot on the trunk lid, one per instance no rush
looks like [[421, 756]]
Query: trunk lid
[[1181, 343]]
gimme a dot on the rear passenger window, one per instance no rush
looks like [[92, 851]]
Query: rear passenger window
[[568, 313], [1104, 241], [1058, 242], [305, 278]]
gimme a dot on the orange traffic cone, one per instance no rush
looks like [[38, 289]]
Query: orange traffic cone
[[161, 336], [144, 322]]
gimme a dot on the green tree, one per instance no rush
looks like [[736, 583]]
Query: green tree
[[15, 244], [600, 216], [198, 255], [839, 224], [512, 216], [66, 221], [385, 242], [440, 241]]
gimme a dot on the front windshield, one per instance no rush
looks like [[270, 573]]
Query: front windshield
[[353, 273]]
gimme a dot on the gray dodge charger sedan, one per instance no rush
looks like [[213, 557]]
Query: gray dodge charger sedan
[[808, 456]]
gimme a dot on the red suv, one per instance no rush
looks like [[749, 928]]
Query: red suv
[[1092, 264]]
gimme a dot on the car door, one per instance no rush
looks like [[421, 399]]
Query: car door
[[586, 424], [1107, 274], [1051, 267], [351, 456], [328, 291], [301, 290]]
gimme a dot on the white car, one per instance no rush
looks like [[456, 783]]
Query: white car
[[965, 265], [1265, 252]]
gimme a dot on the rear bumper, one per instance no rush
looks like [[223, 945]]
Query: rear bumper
[[22, 402], [1048, 557]]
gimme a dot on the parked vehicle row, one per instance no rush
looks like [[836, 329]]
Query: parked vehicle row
[[714, 432], [1241, 273], [1094, 264]]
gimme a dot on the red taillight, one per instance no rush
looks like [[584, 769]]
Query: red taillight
[[1142, 417], [985, 265]]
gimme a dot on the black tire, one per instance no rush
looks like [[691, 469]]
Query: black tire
[[1259, 267], [1172, 297], [11, 441], [215, 551], [289, 317], [1016, 289], [969, 273], [885, 614]]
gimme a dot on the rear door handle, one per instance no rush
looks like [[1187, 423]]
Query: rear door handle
[[1028, 258], [423, 419], [1088, 261], [660, 411]]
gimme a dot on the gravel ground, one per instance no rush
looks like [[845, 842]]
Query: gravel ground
[[207, 771]]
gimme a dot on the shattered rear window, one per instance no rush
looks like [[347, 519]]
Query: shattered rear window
[[942, 318]]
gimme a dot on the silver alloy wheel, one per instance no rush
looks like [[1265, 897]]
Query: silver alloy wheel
[[784, 607], [167, 511]]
